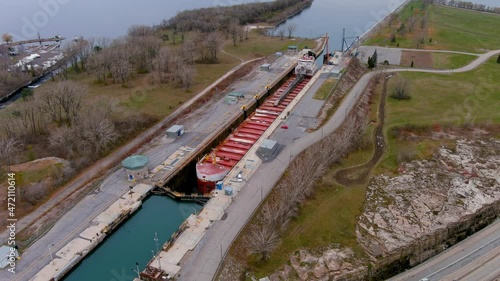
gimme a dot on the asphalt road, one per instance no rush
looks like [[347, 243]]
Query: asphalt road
[[475, 258], [203, 262]]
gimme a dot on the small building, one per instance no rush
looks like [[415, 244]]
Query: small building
[[175, 131], [233, 97], [8, 255], [136, 167], [265, 67], [293, 49], [268, 147]]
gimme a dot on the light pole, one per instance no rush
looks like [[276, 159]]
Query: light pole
[[156, 243], [50, 251]]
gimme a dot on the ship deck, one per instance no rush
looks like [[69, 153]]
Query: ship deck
[[232, 149]]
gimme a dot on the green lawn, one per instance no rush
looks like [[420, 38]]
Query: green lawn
[[464, 30], [325, 89], [258, 46], [457, 99], [449, 28], [450, 61]]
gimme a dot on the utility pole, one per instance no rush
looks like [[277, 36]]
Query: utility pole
[[50, 251], [157, 252]]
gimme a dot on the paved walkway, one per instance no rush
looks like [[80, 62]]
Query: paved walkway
[[203, 263]]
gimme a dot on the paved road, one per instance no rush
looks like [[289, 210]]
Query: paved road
[[475, 258], [203, 263]]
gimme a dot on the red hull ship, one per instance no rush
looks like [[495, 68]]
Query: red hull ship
[[215, 166]]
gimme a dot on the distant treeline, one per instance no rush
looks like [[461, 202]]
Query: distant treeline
[[469, 5], [217, 18]]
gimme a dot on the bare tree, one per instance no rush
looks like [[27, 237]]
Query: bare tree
[[140, 31], [214, 43], [291, 28], [61, 101], [187, 73], [281, 34], [401, 92], [9, 148], [412, 20], [7, 38], [261, 241]]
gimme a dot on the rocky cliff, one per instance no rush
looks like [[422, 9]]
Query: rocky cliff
[[429, 206]]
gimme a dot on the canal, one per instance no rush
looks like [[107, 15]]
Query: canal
[[134, 241]]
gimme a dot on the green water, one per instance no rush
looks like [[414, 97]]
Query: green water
[[133, 242]]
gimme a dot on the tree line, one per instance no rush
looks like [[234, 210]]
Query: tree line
[[221, 17]]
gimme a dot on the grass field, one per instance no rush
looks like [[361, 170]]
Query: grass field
[[325, 89], [460, 99], [448, 28], [258, 46], [450, 61]]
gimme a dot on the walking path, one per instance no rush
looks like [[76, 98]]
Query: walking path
[[203, 263]]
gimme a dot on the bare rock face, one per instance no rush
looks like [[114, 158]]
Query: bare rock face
[[332, 264], [428, 195]]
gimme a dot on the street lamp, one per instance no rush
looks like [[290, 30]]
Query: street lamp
[[159, 257], [50, 251]]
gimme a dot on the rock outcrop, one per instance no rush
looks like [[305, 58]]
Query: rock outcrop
[[408, 218], [335, 263], [429, 195]]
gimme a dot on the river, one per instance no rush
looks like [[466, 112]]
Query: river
[[133, 241], [111, 18]]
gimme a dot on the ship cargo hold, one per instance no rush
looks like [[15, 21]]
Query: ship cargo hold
[[216, 165]]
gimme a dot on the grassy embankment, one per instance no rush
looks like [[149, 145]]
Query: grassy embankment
[[437, 100], [325, 89]]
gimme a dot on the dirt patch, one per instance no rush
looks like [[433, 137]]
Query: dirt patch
[[38, 164], [419, 59]]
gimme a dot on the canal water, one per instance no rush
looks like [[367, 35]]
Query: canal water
[[133, 242]]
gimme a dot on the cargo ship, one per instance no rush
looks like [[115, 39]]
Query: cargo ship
[[216, 165], [306, 64]]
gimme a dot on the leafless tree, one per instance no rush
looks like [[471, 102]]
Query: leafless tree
[[140, 31], [214, 43], [9, 148], [412, 20], [61, 101], [34, 192], [261, 241], [291, 28], [233, 31], [281, 34], [30, 118], [7, 38], [187, 73]]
